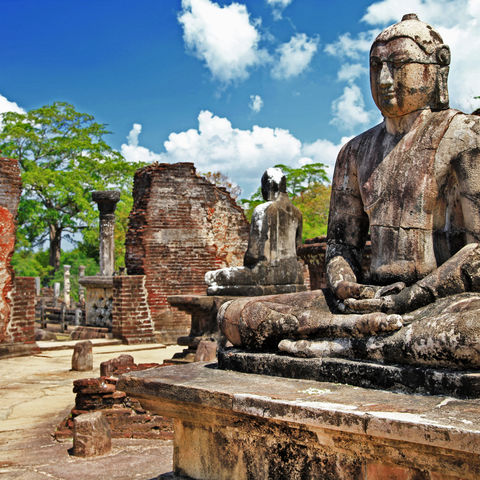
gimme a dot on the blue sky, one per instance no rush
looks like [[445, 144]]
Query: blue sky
[[231, 86]]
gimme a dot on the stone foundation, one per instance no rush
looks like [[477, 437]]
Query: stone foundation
[[242, 426], [180, 227]]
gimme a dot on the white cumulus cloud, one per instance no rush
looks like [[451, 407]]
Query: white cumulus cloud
[[294, 56], [8, 106], [350, 47], [223, 37], [350, 71], [242, 155], [256, 103], [135, 153], [278, 6], [349, 111]]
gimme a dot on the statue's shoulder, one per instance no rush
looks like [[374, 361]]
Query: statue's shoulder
[[463, 131], [353, 149]]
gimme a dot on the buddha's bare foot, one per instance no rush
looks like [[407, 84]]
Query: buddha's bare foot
[[375, 323]]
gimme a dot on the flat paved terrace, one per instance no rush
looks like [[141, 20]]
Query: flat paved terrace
[[36, 394]]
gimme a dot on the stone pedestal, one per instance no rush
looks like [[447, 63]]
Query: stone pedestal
[[99, 299], [204, 326], [241, 426], [399, 378]]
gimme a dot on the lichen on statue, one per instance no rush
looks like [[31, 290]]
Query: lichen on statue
[[413, 182], [270, 262]]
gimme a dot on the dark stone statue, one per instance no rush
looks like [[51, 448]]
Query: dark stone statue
[[270, 262], [413, 182]]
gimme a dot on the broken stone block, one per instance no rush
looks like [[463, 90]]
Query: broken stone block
[[124, 363], [91, 435], [206, 351], [82, 358]]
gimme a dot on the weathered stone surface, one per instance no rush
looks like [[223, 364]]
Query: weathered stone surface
[[313, 251], [206, 351], [270, 262], [180, 227], [99, 300], [398, 378], [82, 358], [107, 203], [91, 435], [415, 305], [110, 367], [241, 426]]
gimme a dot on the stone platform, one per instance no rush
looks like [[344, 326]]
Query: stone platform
[[231, 425], [404, 378]]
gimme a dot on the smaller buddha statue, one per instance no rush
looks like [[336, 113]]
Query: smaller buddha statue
[[270, 262]]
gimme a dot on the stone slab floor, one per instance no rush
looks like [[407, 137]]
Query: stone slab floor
[[36, 394]]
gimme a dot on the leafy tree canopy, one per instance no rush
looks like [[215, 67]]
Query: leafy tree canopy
[[63, 158]]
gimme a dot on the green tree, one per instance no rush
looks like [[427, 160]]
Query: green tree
[[314, 203], [63, 158]]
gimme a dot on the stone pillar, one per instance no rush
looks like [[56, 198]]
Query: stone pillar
[[38, 286], [107, 202], [81, 288], [56, 291], [66, 285]]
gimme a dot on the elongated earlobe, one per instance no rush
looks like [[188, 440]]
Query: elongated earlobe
[[442, 88]]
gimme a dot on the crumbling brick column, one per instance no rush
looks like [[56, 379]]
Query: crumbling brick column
[[10, 190], [131, 317], [22, 324], [180, 227]]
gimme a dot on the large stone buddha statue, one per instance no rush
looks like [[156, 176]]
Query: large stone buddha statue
[[413, 183]]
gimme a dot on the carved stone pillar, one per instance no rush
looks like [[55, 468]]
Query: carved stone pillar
[[66, 285], [107, 202]]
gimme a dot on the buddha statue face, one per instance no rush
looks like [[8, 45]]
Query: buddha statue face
[[409, 68], [403, 78]]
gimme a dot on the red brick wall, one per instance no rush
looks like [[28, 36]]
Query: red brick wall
[[181, 226], [22, 324], [10, 190], [131, 317]]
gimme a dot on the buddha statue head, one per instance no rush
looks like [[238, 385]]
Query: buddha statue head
[[273, 183], [409, 66]]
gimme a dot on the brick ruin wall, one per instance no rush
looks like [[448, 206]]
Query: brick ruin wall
[[180, 227], [131, 318], [10, 190], [22, 324]]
